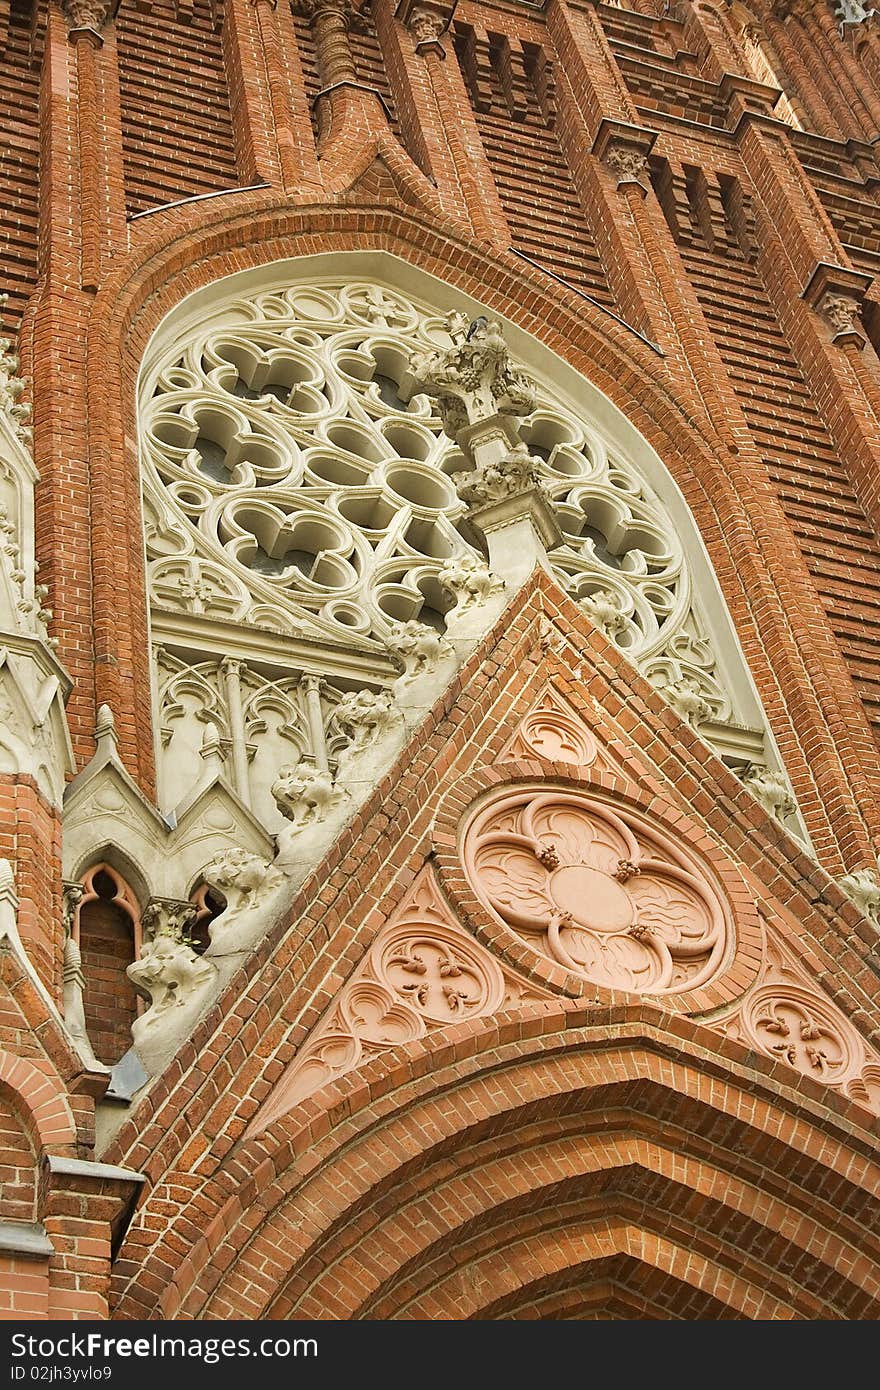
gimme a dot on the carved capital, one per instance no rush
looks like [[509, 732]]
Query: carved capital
[[427, 25], [348, 11], [841, 313], [169, 917], [624, 150], [87, 16], [427, 22], [629, 165], [836, 293]]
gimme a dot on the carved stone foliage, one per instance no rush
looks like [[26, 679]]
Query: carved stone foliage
[[298, 482], [788, 1018], [474, 379], [86, 14], [422, 972], [591, 890], [627, 162], [12, 387]]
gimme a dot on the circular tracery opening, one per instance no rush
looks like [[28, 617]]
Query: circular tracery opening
[[594, 890]]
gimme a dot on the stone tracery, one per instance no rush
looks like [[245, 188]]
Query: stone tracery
[[297, 481], [589, 889]]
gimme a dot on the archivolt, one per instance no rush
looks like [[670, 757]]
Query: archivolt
[[443, 1191]]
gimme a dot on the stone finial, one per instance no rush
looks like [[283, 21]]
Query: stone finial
[[474, 380], [863, 887], [74, 1008], [7, 882], [772, 789], [105, 728]]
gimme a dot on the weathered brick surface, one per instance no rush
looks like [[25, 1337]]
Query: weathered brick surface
[[601, 1160]]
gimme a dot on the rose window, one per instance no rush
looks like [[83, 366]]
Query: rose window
[[283, 445], [593, 891]]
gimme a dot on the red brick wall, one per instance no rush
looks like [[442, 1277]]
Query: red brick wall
[[107, 946], [19, 151], [176, 123], [18, 1172]]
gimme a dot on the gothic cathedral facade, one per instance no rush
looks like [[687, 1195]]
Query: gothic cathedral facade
[[440, 659]]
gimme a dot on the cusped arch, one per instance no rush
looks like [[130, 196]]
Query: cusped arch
[[324, 1173]]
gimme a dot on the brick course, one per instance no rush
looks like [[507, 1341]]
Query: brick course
[[595, 1158]]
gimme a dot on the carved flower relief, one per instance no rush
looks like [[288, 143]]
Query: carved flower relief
[[421, 972], [798, 1028], [571, 877], [787, 1018]]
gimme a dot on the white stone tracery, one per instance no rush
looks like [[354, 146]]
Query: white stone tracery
[[300, 493]]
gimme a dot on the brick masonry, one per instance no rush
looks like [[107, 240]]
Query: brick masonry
[[615, 1137]]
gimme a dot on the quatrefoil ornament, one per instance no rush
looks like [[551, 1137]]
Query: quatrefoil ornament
[[590, 889]]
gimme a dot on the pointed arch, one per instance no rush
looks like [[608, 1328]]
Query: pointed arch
[[442, 1186]]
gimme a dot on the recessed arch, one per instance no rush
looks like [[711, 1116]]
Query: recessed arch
[[370, 1137], [766, 588]]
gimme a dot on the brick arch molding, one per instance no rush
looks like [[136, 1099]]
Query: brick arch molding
[[760, 576], [564, 1137]]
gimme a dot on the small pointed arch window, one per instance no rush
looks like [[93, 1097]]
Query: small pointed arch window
[[107, 929]]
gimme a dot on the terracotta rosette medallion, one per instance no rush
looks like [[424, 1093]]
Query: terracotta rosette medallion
[[593, 890]]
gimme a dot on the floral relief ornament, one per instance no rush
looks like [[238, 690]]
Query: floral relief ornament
[[788, 1019], [593, 892], [422, 972]]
